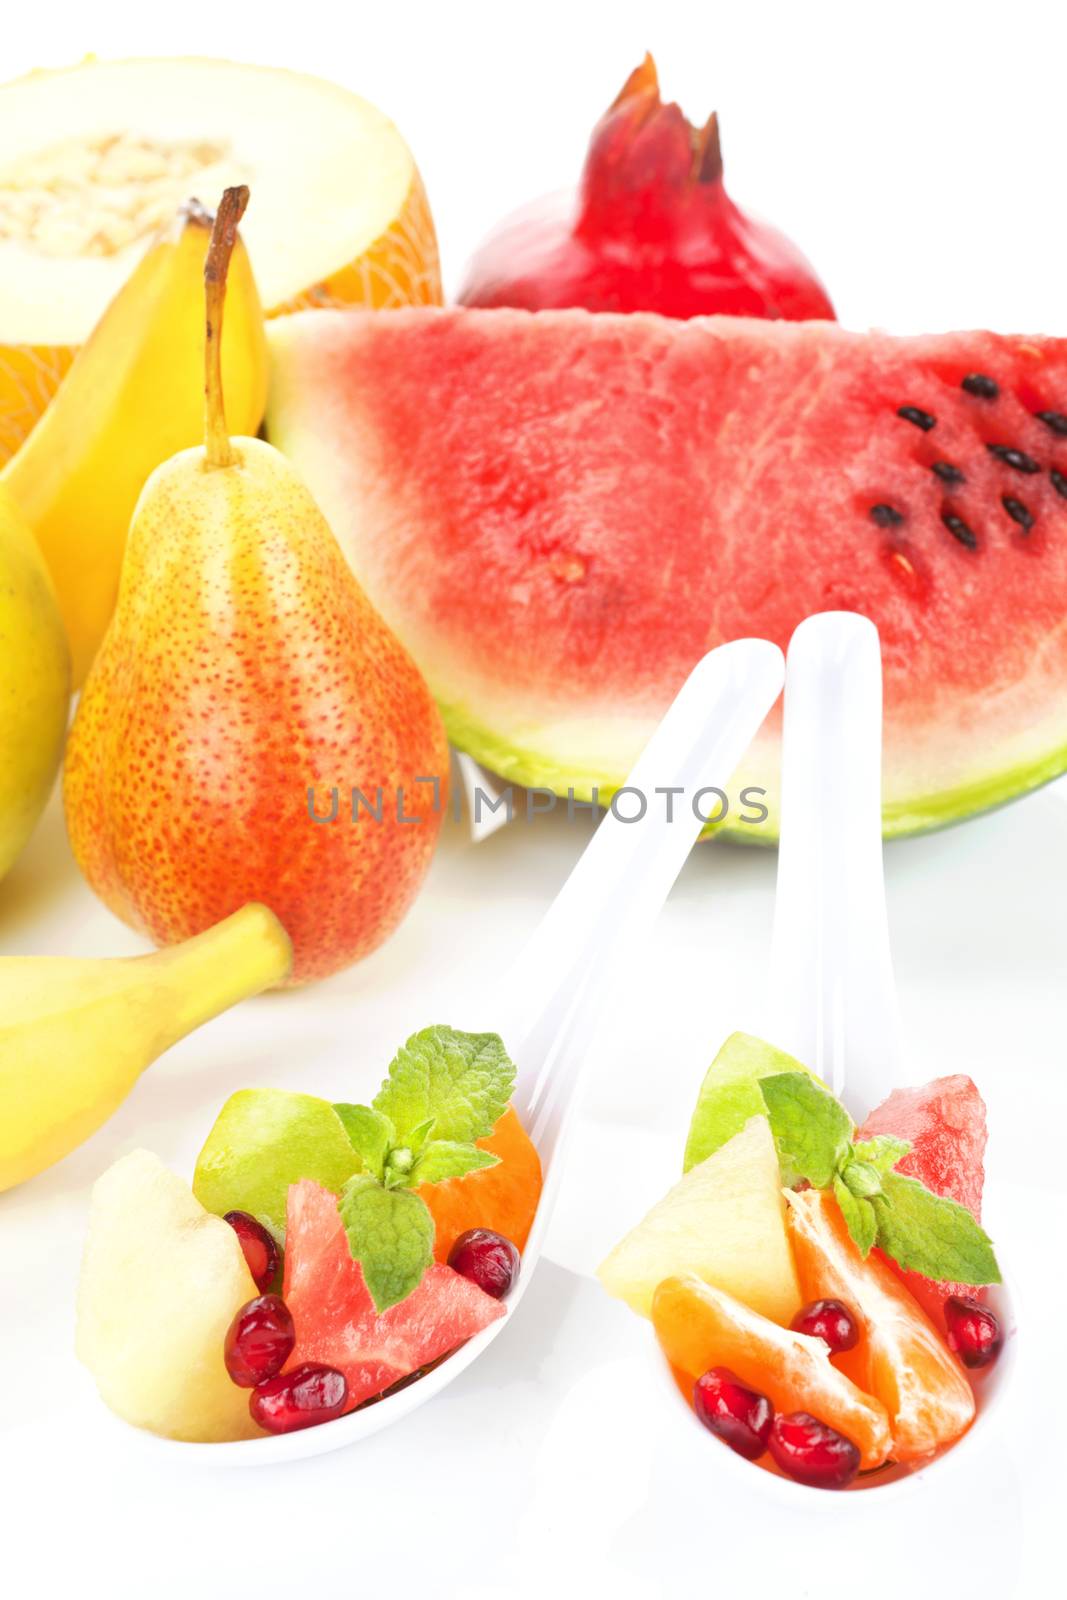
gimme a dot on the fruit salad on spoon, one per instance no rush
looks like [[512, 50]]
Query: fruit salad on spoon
[[820, 1288]]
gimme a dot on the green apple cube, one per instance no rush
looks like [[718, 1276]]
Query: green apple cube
[[730, 1093], [263, 1141]]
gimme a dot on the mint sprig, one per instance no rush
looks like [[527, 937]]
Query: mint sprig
[[921, 1231], [445, 1090]]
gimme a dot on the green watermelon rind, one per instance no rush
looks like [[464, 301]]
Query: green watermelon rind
[[527, 768]]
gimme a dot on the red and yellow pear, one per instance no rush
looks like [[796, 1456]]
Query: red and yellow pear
[[245, 688]]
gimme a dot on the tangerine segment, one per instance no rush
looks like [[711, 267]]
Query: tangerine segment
[[700, 1327], [900, 1356], [503, 1198]]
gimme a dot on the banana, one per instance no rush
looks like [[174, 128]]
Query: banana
[[132, 398], [75, 1035], [34, 683]]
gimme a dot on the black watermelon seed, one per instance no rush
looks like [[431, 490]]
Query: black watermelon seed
[[948, 473], [921, 419], [1059, 482], [978, 384], [1055, 420], [959, 530], [886, 516], [1018, 512], [1014, 458]]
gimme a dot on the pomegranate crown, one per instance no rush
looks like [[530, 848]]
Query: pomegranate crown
[[645, 155]]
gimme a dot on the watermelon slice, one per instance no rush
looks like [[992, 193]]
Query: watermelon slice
[[945, 1121], [335, 1317], [560, 512]]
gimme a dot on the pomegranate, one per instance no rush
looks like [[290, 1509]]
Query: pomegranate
[[973, 1331], [733, 1412], [259, 1340], [309, 1394], [260, 1250], [651, 229], [829, 1320], [487, 1259], [812, 1452]]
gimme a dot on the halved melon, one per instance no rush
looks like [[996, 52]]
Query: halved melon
[[95, 157]]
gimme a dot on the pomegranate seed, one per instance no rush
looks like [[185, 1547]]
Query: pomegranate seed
[[261, 1252], [259, 1340], [299, 1399], [973, 1331], [811, 1452], [829, 1320], [735, 1413], [487, 1259]]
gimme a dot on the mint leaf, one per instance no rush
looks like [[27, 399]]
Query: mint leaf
[[861, 1178], [390, 1233], [371, 1133], [859, 1216], [461, 1080], [418, 1137], [883, 1151], [444, 1158], [812, 1131], [928, 1233]]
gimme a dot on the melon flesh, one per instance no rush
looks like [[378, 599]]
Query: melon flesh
[[945, 1123], [559, 513], [94, 159], [334, 1315]]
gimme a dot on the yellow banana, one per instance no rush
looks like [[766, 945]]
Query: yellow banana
[[132, 399], [34, 683], [75, 1035]]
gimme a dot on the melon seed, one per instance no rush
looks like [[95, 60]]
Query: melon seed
[[978, 384], [922, 419], [948, 473], [1014, 458], [1059, 482], [886, 516], [1018, 512], [1055, 420], [959, 530]]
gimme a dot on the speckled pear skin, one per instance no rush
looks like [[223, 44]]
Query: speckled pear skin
[[244, 666]]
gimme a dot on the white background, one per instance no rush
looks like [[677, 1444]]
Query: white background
[[916, 152]]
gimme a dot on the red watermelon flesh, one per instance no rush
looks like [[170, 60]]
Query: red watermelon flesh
[[335, 1317], [945, 1122], [560, 512]]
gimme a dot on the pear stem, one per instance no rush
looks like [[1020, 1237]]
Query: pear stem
[[216, 267]]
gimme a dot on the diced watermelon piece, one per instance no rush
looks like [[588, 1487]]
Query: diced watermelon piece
[[335, 1317], [945, 1120]]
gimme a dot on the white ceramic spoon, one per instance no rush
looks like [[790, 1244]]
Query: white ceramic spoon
[[832, 1000], [560, 983], [833, 1003]]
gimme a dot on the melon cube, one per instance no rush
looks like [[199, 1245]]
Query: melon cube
[[725, 1222], [161, 1280]]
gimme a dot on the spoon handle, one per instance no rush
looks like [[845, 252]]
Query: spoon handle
[[832, 999], [619, 884]]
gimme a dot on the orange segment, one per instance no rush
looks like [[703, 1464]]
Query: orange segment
[[503, 1197], [701, 1327], [900, 1356]]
